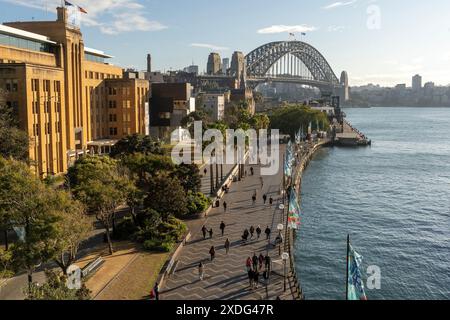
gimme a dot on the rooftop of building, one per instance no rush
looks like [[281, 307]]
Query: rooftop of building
[[22, 34]]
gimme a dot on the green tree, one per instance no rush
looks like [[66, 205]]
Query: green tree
[[260, 121], [14, 142], [189, 177], [73, 227], [5, 264], [166, 196], [99, 183], [290, 118], [144, 166], [55, 288], [24, 200], [136, 143]]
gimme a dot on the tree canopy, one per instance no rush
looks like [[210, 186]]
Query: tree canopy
[[288, 119]]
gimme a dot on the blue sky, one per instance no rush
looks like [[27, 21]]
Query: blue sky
[[383, 41]]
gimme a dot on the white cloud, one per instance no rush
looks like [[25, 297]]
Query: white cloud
[[110, 16], [339, 4], [209, 46], [285, 29], [336, 28]]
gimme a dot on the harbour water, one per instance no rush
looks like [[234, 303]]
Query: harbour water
[[392, 198]]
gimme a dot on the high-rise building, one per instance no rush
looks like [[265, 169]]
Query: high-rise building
[[345, 96], [417, 83], [169, 104], [225, 65], [192, 69], [238, 68], [149, 63], [214, 104], [214, 66], [67, 97]]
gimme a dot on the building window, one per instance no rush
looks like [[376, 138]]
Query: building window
[[57, 86], [112, 104], [35, 105], [46, 85], [112, 91], [48, 128], [34, 85], [36, 129], [113, 117], [164, 115], [113, 131], [47, 106]]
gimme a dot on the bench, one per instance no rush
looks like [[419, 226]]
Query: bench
[[92, 267]]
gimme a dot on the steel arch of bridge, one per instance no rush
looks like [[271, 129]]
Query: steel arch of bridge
[[261, 60]]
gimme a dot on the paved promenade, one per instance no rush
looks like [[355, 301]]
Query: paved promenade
[[226, 277]]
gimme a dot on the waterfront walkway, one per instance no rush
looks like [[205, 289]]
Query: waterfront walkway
[[226, 277]]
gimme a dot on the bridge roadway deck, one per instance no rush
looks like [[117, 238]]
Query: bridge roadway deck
[[226, 277]]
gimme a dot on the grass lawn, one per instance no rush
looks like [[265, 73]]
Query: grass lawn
[[137, 280]]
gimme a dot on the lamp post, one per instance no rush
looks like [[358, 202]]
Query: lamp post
[[280, 228], [285, 257]]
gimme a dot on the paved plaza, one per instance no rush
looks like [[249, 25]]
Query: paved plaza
[[226, 277]]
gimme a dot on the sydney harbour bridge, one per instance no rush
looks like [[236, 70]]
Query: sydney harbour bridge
[[278, 62], [293, 62]]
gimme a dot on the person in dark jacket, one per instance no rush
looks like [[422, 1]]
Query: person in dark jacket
[[267, 232], [258, 232], [204, 230], [212, 252], [255, 261], [222, 227]]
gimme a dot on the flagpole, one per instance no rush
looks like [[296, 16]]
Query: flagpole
[[346, 279]]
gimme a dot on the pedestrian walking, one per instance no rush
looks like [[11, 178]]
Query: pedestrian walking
[[267, 261], [248, 263], [204, 230], [210, 233], [255, 262], [267, 232], [250, 277], [265, 198], [261, 261], [271, 201], [212, 252], [222, 227], [200, 271], [254, 199], [252, 171], [227, 246], [205, 171], [261, 179], [245, 235], [258, 232], [252, 231], [255, 279], [154, 294], [224, 206]]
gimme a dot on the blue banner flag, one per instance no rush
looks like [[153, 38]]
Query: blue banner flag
[[355, 282]]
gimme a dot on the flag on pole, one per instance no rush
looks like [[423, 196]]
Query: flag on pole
[[303, 34], [355, 285], [80, 9], [294, 210]]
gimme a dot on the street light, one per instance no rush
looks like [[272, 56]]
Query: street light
[[280, 228], [285, 257]]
